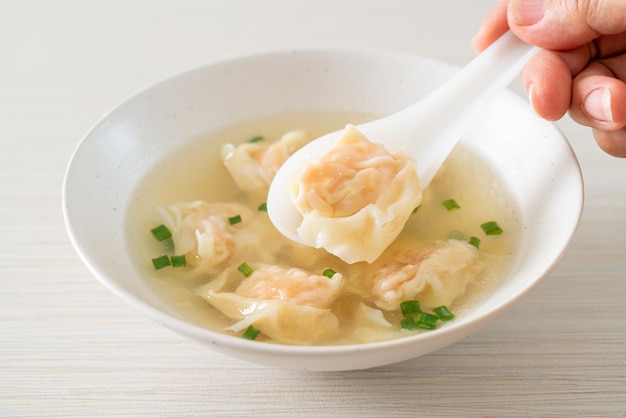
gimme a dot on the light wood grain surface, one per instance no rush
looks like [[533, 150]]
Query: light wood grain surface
[[68, 347]]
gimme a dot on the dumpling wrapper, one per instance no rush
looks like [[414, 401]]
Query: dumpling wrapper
[[289, 305], [435, 276], [282, 321], [201, 230], [253, 165], [356, 199]]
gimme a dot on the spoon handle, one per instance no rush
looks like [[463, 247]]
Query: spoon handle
[[428, 130], [440, 119]]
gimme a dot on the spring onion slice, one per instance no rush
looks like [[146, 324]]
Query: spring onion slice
[[233, 220], [474, 241], [161, 262], [262, 207], [450, 204], [256, 138], [457, 235], [179, 261], [245, 269], [408, 323], [161, 233], [420, 320], [251, 333], [443, 313], [416, 209], [427, 321], [409, 307], [491, 228], [329, 273]]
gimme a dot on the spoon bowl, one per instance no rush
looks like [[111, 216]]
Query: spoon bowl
[[428, 130]]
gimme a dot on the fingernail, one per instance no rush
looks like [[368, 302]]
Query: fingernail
[[597, 104], [526, 12], [474, 45], [530, 90]]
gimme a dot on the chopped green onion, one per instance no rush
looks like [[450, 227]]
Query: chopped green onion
[[161, 262], [474, 241], [251, 333], [491, 228], [409, 307], [179, 261], [443, 313], [408, 323], [161, 233], [245, 269], [416, 209], [421, 320], [450, 204], [329, 273], [457, 235], [262, 207], [257, 138], [427, 321], [234, 219]]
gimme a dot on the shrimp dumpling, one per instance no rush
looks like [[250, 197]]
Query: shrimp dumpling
[[356, 199], [289, 305], [291, 284], [253, 165], [202, 232], [435, 276]]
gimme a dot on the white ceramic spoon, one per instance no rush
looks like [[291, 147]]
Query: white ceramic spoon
[[428, 130]]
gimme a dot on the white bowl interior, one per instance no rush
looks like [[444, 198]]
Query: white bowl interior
[[531, 155]]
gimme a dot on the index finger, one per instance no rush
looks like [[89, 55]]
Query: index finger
[[493, 26]]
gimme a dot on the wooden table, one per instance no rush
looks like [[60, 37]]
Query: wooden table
[[68, 347]]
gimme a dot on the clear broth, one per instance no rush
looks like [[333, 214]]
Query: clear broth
[[196, 172]]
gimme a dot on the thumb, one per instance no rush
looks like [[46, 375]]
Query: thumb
[[565, 24]]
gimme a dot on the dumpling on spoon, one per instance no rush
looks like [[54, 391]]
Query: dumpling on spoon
[[355, 199]]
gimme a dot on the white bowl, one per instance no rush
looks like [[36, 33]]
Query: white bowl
[[531, 155]]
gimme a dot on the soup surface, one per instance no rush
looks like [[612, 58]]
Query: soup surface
[[242, 276]]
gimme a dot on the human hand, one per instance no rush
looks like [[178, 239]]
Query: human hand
[[582, 68]]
